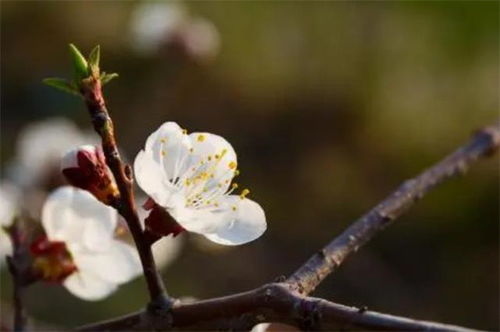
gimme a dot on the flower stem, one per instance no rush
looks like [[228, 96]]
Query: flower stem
[[103, 125]]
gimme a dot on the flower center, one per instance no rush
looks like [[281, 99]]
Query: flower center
[[203, 181]]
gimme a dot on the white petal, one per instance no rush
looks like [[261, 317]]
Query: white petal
[[5, 246], [198, 221], [151, 178], [245, 224], [118, 264], [168, 145], [88, 286], [41, 145], [9, 199], [76, 217], [207, 145]]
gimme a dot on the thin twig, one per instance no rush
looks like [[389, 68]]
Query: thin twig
[[15, 265], [103, 125], [286, 302], [326, 260], [269, 303]]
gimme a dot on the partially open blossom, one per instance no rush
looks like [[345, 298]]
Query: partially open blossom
[[80, 249], [190, 176], [85, 167], [40, 146]]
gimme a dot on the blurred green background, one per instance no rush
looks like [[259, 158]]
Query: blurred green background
[[329, 105]]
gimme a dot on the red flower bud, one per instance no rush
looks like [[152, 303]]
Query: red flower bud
[[159, 222], [51, 260], [85, 167]]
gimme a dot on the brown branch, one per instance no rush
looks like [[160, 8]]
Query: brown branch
[[286, 302], [17, 268], [269, 303], [326, 260], [103, 125]]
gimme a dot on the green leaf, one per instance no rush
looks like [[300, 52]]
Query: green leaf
[[106, 78], [61, 84], [93, 60], [79, 63]]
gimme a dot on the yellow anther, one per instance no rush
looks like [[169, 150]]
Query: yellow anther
[[226, 182], [233, 207], [217, 156], [200, 138], [191, 150], [163, 153], [244, 193], [207, 202], [209, 158], [184, 131], [236, 172], [216, 204], [232, 165], [163, 140], [234, 185]]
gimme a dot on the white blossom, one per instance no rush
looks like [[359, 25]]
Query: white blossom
[[190, 176], [87, 227]]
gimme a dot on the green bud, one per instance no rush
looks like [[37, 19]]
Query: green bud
[[94, 58], [106, 78], [61, 84], [79, 63]]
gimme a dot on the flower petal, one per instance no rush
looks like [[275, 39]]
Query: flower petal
[[88, 286], [169, 146], [5, 246], [245, 224], [118, 264], [78, 218], [151, 178]]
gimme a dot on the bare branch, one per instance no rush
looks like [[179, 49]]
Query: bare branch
[[326, 260], [17, 269], [286, 302], [103, 125], [270, 303]]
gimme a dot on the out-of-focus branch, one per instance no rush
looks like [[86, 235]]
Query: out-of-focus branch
[[287, 302], [269, 303], [103, 125], [16, 269], [326, 260]]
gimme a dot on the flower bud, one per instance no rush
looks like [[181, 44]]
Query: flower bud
[[85, 167], [51, 260], [160, 223]]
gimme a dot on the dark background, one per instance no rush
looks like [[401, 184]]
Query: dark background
[[329, 105]]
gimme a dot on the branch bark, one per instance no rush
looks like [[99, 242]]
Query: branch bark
[[269, 303], [326, 260], [287, 302], [17, 269], [103, 125]]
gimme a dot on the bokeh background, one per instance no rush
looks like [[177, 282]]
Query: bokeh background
[[329, 105]]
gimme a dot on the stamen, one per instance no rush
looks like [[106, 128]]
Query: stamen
[[200, 138], [244, 193], [232, 165]]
